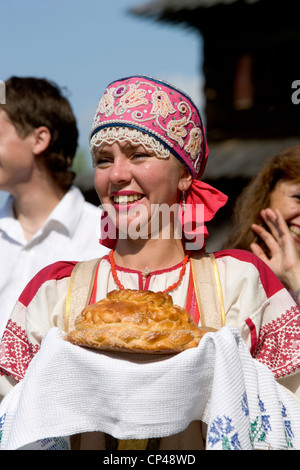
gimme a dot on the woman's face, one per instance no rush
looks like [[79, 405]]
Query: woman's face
[[132, 181], [286, 198]]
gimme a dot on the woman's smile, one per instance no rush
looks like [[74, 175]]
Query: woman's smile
[[125, 199], [295, 231]]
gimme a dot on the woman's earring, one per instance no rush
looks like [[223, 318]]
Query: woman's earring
[[183, 200]]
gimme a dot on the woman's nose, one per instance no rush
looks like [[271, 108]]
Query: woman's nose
[[120, 172]]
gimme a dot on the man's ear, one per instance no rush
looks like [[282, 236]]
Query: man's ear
[[41, 140]]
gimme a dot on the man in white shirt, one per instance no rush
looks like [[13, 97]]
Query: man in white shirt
[[46, 218]]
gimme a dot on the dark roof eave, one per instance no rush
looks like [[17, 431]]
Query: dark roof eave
[[160, 8], [185, 11], [174, 11]]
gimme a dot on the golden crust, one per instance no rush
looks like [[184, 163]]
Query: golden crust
[[136, 321]]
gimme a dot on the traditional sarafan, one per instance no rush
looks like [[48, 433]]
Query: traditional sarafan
[[136, 321]]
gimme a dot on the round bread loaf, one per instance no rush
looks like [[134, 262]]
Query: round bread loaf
[[136, 321]]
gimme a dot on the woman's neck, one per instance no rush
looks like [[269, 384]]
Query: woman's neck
[[151, 254]]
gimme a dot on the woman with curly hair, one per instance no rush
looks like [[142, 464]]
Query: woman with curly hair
[[267, 217]]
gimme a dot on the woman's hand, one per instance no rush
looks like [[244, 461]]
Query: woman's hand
[[284, 259]]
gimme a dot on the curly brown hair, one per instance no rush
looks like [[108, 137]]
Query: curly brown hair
[[285, 166], [33, 102]]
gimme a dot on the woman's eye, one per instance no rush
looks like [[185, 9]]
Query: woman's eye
[[139, 155], [100, 162]]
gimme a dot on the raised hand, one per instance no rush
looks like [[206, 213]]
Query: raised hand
[[283, 257]]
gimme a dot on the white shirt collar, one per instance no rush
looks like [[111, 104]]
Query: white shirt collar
[[64, 217], [67, 213]]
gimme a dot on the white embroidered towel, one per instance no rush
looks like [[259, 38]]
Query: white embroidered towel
[[68, 390]]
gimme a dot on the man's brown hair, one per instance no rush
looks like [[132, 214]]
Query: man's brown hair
[[35, 102]]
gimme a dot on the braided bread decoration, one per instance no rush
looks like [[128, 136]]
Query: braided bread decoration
[[136, 321]]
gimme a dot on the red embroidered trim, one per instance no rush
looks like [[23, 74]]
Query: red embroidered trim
[[15, 351], [253, 335], [278, 345]]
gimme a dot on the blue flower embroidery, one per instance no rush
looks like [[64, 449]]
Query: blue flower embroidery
[[287, 426], [220, 431], [245, 406], [2, 420]]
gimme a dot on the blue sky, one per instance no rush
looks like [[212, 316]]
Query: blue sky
[[84, 44]]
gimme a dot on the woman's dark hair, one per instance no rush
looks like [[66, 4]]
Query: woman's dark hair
[[35, 102], [285, 166]]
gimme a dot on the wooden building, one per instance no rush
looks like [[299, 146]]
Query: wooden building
[[251, 67]]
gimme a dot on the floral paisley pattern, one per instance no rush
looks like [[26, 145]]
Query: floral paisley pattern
[[161, 104]]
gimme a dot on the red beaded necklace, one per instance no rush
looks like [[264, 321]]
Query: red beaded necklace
[[173, 286]]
